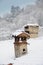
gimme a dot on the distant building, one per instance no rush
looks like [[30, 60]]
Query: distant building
[[32, 30], [20, 43]]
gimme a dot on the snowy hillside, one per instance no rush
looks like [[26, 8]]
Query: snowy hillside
[[34, 56]]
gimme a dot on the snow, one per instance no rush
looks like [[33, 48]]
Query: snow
[[40, 31], [33, 24], [18, 32], [6, 51], [33, 57]]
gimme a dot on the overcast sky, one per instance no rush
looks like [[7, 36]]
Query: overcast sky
[[5, 5]]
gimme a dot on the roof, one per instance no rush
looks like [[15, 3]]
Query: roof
[[24, 34], [20, 33], [17, 32], [31, 24]]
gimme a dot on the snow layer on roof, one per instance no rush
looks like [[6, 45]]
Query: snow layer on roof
[[17, 32], [31, 24]]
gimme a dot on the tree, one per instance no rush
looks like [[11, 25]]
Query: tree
[[15, 10], [40, 3]]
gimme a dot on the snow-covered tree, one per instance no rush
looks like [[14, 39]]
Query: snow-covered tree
[[40, 3]]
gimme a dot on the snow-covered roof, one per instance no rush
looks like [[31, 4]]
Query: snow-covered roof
[[31, 24], [16, 33], [20, 32]]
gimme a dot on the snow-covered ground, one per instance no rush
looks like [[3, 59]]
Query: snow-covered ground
[[33, 57]]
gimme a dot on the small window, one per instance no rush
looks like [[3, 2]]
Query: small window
[[37, 26], [26, 27], [16, 39], [23, 39], [23, 49], [27, 31]]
